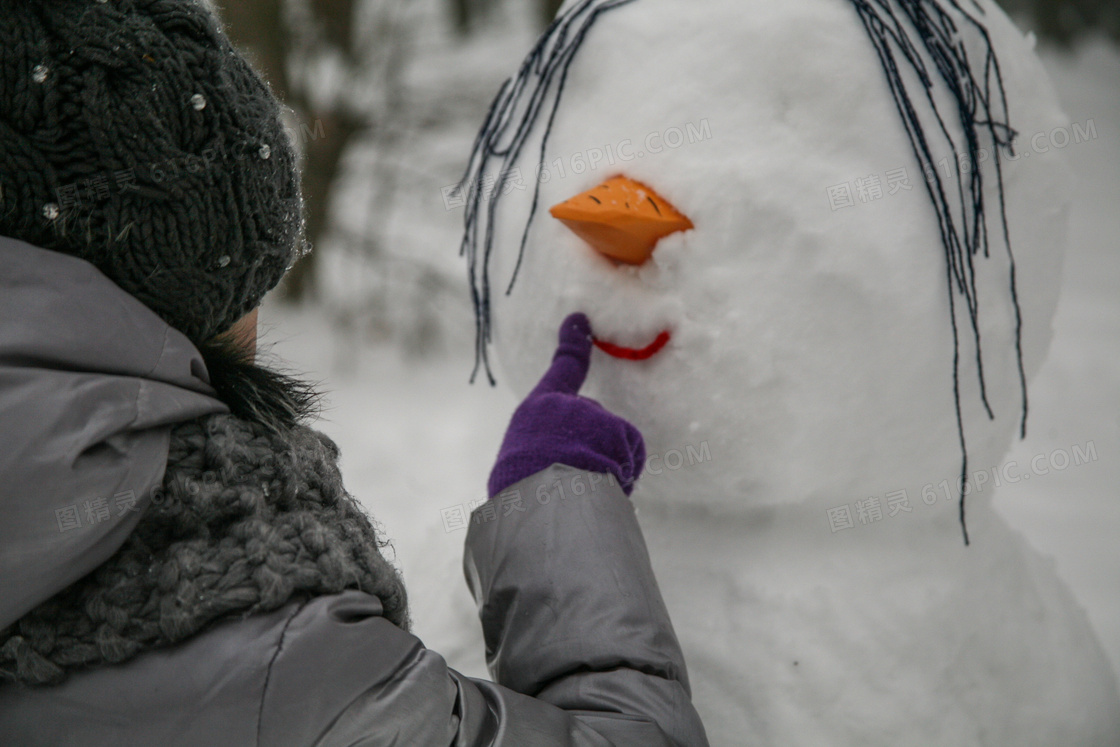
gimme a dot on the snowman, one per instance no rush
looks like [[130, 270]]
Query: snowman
[[820, 261]]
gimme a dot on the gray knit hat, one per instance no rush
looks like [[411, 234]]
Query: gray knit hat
[[134, 136]]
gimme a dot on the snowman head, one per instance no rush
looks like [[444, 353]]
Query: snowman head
[[843, 308]]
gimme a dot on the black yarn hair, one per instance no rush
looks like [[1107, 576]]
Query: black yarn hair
[[255, 391], [976, 88], [918, 36], [512, 116]]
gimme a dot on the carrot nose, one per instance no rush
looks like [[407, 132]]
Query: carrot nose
[[621, 219]]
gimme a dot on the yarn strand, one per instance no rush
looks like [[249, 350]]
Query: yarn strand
[[513, 115], [899, 27]]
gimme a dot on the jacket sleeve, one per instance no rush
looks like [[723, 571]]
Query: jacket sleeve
[[572, 615], [578, 640]]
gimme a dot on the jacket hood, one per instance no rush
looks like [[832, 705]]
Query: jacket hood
[[91, 383]]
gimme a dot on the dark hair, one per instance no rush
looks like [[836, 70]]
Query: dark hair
[[258, 392]]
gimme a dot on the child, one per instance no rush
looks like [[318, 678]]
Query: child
[[179, 561]]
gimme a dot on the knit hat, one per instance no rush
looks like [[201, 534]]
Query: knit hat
[[134, 136]]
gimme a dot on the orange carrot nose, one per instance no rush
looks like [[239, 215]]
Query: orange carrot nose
[[621, 219]]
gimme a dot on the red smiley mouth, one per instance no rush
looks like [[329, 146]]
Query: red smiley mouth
[[633, 354]]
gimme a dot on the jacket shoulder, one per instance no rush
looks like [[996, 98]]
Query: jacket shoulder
[[205, 690], [343, 674]]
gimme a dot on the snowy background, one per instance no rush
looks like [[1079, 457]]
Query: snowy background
[[391, 339]]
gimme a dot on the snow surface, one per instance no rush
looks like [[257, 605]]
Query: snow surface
[[417, 444]]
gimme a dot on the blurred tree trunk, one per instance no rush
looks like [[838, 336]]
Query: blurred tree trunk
[[548, 10], [467, 14], [462, 15], [257, 28], [1063, 21]]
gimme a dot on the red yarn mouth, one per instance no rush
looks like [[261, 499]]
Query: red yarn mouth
[[633, 354]]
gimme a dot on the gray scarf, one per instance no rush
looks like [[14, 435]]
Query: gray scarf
[[248, 519]]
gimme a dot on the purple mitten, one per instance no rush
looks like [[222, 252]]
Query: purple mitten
[[554, 425]]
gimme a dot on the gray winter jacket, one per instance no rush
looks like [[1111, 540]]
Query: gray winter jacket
[[578, 638]]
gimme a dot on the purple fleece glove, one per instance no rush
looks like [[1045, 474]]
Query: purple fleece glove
[[554, 425]]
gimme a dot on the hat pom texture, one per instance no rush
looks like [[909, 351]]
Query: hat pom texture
[[134, 136]]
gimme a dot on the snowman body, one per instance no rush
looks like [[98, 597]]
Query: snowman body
[[816, 362], [893, 635]]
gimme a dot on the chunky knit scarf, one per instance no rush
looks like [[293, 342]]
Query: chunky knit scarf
[[248, 520]]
